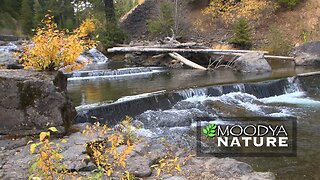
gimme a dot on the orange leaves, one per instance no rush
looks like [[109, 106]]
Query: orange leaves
[[53, 48]]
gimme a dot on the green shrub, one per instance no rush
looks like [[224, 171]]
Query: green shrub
[[111, 34], [162, 25], [290, 4], [242, 34], [277, 43]]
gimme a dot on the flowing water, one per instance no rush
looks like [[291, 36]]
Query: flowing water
[[166, 103]]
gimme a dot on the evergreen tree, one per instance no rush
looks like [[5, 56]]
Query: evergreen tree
[[38, 12], [26, 16], [242, 34]]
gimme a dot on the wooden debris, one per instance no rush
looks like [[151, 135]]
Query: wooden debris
[[186, 61], [279, 57], [168, 50]]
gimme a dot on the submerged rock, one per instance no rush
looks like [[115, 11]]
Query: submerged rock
[[33, 101], [252, 62], [307, 54]]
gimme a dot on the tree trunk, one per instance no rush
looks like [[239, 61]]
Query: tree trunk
[[109, 9]]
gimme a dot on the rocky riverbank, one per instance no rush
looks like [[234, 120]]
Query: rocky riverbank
[[142, 161]]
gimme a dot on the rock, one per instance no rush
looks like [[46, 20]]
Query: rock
[[307, 54], [175, 178], [170, 118], [227, 168], [9, 144], [96, 56], [258, 176], [8, 60], [139, 166], [33, 101], [252, 62]]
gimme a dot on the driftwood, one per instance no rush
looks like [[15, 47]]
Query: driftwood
[[279, 57], [186, 61], [169, 50]]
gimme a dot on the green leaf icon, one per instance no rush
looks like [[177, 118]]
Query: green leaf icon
[[210, 130]]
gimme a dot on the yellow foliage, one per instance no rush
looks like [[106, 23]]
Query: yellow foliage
[[53, 48], [105, 152], [231, 10], [48, 162], [167, 165]]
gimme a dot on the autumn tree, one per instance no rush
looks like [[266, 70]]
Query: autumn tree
[[54, 49]]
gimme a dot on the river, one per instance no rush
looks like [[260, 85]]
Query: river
[[187, 91]]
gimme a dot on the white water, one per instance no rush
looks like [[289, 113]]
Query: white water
[[297, 98], [117, 76], [9, 47], [254, 104]]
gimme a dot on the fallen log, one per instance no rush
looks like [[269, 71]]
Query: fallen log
[[279, 57], [169, 50], [186, 61]]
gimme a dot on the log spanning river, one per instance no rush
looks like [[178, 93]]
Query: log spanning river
[[166, 102]]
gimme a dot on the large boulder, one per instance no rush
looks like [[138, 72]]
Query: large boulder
[[252, 62], [33, 101], [307, 54]]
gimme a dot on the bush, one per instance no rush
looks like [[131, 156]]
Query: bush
[[290, 4], [242, 34], [277, 43], [111, 34], [161, 26], [53, 48]]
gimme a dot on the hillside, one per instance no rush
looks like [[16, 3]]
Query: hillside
[[297, 25]]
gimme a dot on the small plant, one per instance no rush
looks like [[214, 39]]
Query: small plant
[[290, 4], [167, 165], [48, 162], [105, 152], [53, 48], [277, 43], [242, 34], [162, 26]]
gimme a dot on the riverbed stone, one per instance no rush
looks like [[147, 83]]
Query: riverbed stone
[[170, 118], [307, 54], [227, 167], [139, 166], [252, 62], [258, 176], [32, 101]]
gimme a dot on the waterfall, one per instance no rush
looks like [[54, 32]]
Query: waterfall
[[113, 74], [135, 105]]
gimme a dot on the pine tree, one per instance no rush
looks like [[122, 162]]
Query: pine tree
[[26, 17], [242, 34], [38, 13]]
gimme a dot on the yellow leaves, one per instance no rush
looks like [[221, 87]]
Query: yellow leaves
[[53, 48], [32, 148], [167, 165], [43, 135], [110, 153], [53, 129], [158, 172], [231, 10], [48, 161]]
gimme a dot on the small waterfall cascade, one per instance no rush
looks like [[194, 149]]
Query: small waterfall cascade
[[118, 73]]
